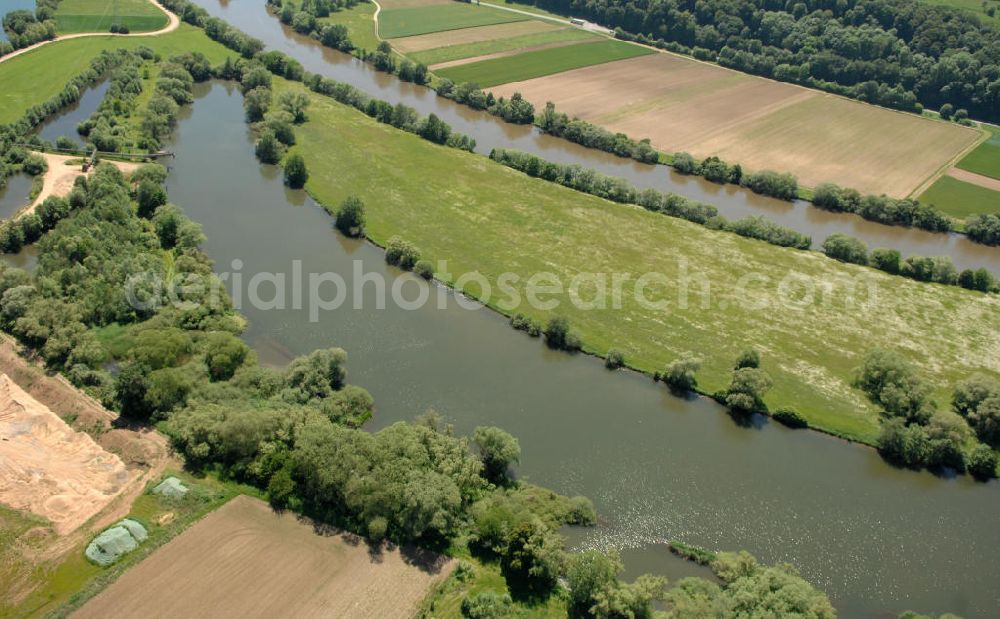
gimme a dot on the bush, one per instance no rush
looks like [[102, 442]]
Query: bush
[[296, 173], [401, 253], [351, 217], [746, 390], [268, 148], [892, 382], [749, 358], [489, 605], [846, 249], [983, 462], [529, 325], [680, 373], [424, 269], [615, 359], [498, 451], [559, 336], [790, 417]]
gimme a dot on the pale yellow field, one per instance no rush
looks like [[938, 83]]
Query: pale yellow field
[[244, 560], [409, 4], [477, 34], [685, 105]]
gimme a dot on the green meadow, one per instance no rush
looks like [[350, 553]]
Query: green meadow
[[812, 318], [542, 62], [961, 199], [396, 23], [99, 15], [985, 159]]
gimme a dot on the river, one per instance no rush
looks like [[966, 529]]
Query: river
[[877, 539], [490, 132]]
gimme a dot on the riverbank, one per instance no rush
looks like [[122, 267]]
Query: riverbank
[[492, 220]]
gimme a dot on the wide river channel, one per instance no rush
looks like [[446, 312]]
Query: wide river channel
[[877, 539]]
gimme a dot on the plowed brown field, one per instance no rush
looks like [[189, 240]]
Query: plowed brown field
[[686, 105], [244, 560]]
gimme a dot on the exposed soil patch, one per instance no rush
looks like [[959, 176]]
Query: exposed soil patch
[[49, 469], [975, 179]]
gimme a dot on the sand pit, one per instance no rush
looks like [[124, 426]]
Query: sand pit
[[244, 560], [62, 173], [48, 469], [685, 105]]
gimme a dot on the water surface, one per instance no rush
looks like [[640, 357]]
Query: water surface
[[877, 539]]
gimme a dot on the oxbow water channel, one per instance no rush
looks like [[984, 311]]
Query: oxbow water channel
[[252, 17], [877, 539]]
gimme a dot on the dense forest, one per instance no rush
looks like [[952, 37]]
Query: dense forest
[[903, 54]]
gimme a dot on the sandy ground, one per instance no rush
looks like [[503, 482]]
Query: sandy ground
[[61, 174], [685, 105], [49, 469], [510, 52], [975, 179], [144, 452], [421, 42], [172, 24], [245, 560]]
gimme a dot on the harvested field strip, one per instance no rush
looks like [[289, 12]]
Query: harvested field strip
[[437, 18], [479, 34], [976, 179], [472, 50], [489, 73], [685, 105], [504, 54], [492, 220], [409, 4], [245, 560], [961, 199]]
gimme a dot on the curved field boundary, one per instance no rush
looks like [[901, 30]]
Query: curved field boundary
[[172, 24]]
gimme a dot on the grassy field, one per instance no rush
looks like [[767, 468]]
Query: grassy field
[[360, 24], [36, 76], [493, 220], [985, 159], [529, 65], [685, 105], [246, 560], [960, 199], [472, 50], [99, 15], [407, 22]]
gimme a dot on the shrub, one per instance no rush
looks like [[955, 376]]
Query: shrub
[[351, 216], [680, 373], [401, 253], [892, 382], [749, 358], [790, 417], [846, 249], [424, 269], [983, 462], [296, 173], [268, 148], [489, 605], [559, 336], [746, 390], [615, 359], [498, 451], [522, 323]]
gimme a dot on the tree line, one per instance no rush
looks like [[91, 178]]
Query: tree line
[[937, 269], [619, 190], [903, 54]]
